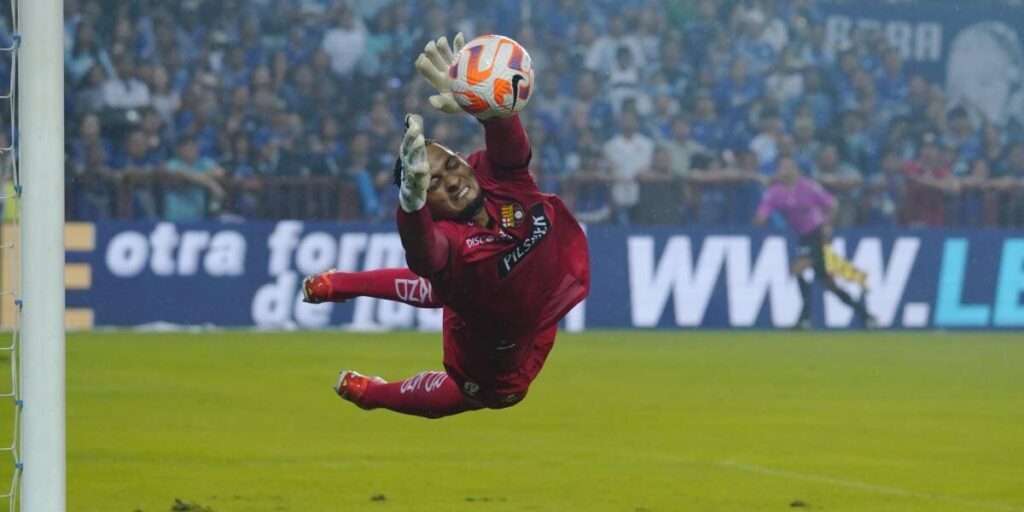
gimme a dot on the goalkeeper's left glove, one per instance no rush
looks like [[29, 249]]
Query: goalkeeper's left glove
[[412, 173], [433, 65]]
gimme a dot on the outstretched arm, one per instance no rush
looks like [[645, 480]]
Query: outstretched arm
[[508, 147], [397, 284], [426, 248]]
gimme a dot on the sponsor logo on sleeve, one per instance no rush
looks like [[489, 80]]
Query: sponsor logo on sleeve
[[417, 291]]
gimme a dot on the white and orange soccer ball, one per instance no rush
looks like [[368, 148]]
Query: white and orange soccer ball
[[492, 76]]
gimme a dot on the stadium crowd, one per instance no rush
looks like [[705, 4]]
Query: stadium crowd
[[645, 112]]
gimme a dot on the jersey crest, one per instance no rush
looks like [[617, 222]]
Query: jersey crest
[[512, 215]]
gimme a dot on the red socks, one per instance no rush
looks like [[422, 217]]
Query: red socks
[[428, 394]]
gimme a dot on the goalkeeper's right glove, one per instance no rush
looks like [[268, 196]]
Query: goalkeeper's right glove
[[412, 172]]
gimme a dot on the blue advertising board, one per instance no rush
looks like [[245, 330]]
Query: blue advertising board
[[249, 274]]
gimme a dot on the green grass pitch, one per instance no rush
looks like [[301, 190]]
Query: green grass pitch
[[617, 421]]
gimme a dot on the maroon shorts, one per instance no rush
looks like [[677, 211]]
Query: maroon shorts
[[495, 378]]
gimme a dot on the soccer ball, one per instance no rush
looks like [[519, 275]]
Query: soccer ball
[[492, 76]]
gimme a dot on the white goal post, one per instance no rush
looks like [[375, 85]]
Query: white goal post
[[41, 152]]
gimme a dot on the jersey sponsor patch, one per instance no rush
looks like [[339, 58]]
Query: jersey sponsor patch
[[516, 255], [512, 215], [479, 240]]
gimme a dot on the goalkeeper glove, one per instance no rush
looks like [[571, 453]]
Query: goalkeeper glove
[[433, 65], [412, 173]]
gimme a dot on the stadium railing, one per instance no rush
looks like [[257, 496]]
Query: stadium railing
[[266, 197], [686, 201]]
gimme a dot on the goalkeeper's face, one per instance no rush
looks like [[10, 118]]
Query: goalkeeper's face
[[453, 192]]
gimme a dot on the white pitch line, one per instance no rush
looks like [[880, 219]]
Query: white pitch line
[[866, 486]]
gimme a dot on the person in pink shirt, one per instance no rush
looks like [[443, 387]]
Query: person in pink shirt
[[809, 210]]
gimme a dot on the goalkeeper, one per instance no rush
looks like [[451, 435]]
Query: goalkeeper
[[809, 210], [505, 262]]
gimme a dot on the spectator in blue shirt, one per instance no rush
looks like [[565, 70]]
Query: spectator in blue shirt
[[963, 137], [856, 145], [235, 72], [84, 53], [95, 184], [892, 81], [676, 68], [191, 190], [751, 46], [590, 108], [360, 173], [881, 204], [135, 153], [842, 74], [701, 30], [90, 133], [706, 127], [738, 92]]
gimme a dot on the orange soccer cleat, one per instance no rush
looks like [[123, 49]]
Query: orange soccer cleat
[[352, 386], [317, 288]]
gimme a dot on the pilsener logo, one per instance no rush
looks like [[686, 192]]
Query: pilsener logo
[[517, 254]]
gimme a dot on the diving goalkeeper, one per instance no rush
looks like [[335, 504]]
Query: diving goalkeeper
[[505, 262]]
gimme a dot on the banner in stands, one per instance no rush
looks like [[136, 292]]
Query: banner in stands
[[249, 274], [975, 49]]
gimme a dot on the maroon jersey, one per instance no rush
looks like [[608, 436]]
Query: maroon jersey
[[925, 205], [501, 284]]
